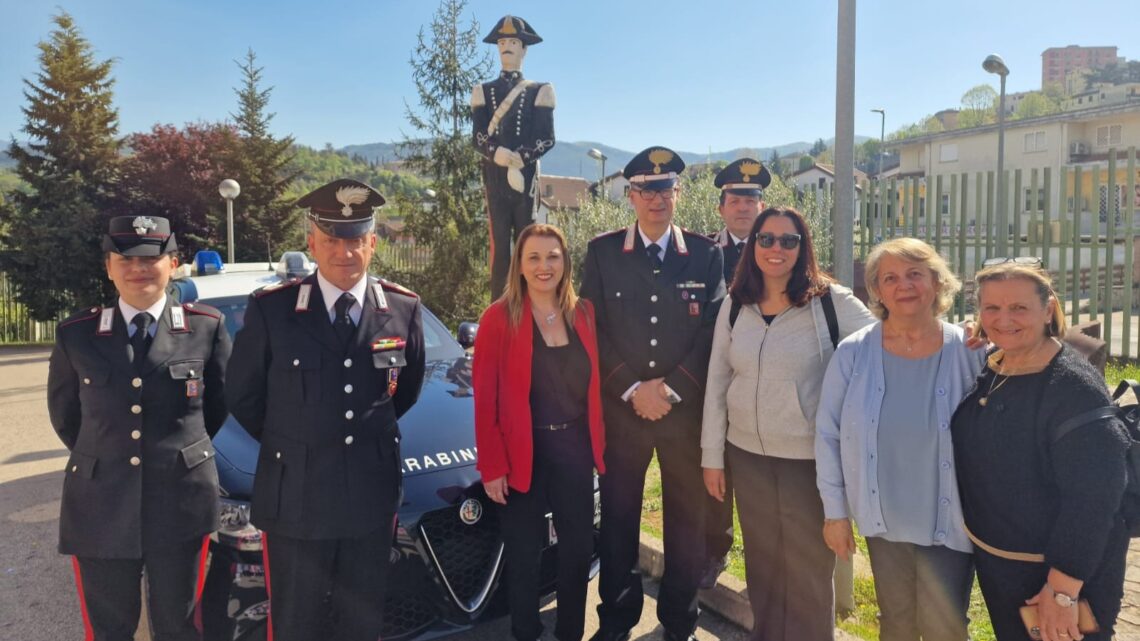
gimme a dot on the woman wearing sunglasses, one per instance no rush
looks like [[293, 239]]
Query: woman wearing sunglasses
[[770, 348], [883, 450]]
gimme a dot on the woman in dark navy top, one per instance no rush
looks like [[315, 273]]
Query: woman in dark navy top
[[538, 427]]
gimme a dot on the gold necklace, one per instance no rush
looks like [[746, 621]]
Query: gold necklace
[[998, 358], [983, 401]]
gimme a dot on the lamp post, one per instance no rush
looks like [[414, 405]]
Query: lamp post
[[882, 138], [994, 64], [596, 154], [229, 189]]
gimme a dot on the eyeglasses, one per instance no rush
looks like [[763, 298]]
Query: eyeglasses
[[1035, 261], [651, 195], [787, 241]]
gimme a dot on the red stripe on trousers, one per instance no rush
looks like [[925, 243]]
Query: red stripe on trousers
[[202, 557], [268, 590], [88, 633]]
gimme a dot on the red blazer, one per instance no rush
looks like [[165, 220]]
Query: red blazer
[[501, 376]]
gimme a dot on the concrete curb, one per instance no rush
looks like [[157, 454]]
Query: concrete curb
[[729, 598]]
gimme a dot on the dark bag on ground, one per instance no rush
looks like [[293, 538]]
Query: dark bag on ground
[[1129, 415]]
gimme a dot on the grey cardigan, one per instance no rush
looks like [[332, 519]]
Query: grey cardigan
[[764, 380]]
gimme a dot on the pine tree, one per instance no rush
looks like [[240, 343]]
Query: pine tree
[[52, 233], [446, 63], [264, 220]]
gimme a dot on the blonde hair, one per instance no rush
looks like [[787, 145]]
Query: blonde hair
[[912, 250], [1042, 282], [515, 291]]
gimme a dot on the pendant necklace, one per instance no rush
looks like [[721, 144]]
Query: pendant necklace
[[549, 318], [983, 401]]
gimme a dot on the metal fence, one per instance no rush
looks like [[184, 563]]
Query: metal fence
[[15, 324], [1081, 220]]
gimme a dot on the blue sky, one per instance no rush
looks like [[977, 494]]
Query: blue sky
[[704, 75]]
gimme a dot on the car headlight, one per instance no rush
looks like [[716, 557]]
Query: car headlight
[[234, 528]]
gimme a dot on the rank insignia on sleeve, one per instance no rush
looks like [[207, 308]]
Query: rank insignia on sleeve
[[387, 343]]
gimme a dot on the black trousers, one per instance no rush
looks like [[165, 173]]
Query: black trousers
[[111, 600], [923, 590], [315, 583], [508, 212], [562, 483], [718, 521], [788, 567], [629, 448]]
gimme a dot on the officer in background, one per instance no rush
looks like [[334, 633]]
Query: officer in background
[[656, 290], [513, 121], [322, 369], [741, 185], [135, 391]]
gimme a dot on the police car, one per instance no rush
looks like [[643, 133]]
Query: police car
[[447, 556]]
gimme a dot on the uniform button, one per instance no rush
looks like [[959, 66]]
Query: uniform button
[[653, 319], [348, 440], [653, 363], [278, 455], [136, 409], [86, 381], [349, 414], [136, 382], [945, 465], [941, 391], [392, 360], [617, 295], [653, 342], [136, 435], [135, 461], [296, 362], [348, 388], [942, 425], [940, 535], [944, 501], [348, 362], [653, 298], [206, 453], [74, 468]]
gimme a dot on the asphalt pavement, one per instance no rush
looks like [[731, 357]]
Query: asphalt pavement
[[38, 599]]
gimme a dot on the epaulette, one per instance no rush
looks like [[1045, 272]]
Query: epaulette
[[81, 315], [607, 234], [276, 287], [399, 289], [693, 234], [202, 309]]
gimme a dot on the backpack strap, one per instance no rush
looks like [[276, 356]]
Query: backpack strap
[[733, 312], [830, 316], [1084, 418], [1124, 386]]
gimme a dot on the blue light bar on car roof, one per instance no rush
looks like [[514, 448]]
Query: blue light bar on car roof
[[208, 262]]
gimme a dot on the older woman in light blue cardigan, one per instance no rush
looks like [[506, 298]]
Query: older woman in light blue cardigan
[[883, 450]]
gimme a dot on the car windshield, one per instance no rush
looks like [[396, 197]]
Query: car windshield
[[439, 342]]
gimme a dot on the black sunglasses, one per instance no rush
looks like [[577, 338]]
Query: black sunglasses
[[1017, 260], [787, 241]]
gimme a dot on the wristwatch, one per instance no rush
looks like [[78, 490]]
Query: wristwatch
[[1062, 599]]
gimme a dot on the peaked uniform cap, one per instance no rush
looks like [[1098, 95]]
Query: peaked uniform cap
[[139, 236], [744, 177], [342, 208], [654, 168], [513, 27]]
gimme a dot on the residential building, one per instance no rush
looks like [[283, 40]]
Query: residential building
[[560, 192], [1058, 61], [1071, 139]]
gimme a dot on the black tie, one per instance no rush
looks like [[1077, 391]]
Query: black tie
[[740, 247], [140, 342], [343, 323], [654, 251]]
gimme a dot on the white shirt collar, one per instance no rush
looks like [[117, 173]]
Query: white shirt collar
[[331, 293], [735, 240], [662, 242], [130, 311]]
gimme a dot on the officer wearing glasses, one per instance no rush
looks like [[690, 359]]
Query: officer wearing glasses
[[656, 290]]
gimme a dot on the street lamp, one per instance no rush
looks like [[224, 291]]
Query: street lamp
[[994, 64], [882, 138], [596, 154], [229, 189]]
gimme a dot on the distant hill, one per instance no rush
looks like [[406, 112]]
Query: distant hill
[[570, 159], [6, 161]]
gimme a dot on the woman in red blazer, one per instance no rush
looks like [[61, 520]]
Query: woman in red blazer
[[538, 427]]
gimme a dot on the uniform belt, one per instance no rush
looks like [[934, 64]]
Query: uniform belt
[[558, 427]]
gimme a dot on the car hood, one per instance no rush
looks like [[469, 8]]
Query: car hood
[[438, 433]]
